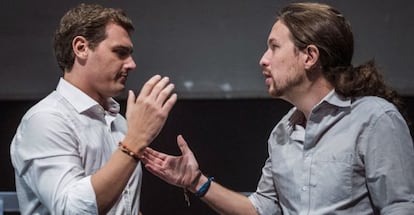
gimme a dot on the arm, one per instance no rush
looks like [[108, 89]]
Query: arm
[[183, 171], [145, 115], [389, 161], [45, 153]]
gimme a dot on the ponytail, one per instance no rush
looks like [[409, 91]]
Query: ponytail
[[364, 80]]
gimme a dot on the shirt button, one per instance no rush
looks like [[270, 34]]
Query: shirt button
[[304, 188]]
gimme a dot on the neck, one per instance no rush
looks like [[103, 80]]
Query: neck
[[79, 82], [305, 98]]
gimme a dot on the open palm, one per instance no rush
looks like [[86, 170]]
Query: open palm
[[181, 171]]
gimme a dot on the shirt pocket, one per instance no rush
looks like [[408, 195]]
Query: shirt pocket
[[331, 176]]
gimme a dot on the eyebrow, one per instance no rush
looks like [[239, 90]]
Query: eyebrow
[[273, 40], [129, 49]]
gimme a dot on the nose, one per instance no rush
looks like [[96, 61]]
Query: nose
[[130, 63], [264, 61]]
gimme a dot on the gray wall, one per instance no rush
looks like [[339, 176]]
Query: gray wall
[[209, 48]]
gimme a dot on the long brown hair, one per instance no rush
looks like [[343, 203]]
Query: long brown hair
[[327, 29]]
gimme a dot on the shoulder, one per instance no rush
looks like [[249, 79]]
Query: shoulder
[[373, 101], [49, 114], [377, 112], [372, 106], [53, 104]]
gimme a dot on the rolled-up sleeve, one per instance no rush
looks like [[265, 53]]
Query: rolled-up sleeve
[[45, 154], [389, 163], [265, 199]]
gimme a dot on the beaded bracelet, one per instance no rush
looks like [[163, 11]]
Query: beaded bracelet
[[127, 151], [204, 188]]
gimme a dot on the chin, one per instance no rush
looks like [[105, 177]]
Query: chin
[[118, 91], [275, 93], [121, 86]]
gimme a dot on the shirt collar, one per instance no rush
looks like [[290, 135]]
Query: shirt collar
[[332, 98], [335, 99], [80, 101]]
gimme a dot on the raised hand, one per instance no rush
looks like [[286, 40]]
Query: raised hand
[[147, 113], [181, 171]]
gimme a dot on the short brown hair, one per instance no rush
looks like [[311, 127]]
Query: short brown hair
[[89, 21]]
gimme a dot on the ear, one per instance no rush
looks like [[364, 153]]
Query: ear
[[80, 47], [311, 56]]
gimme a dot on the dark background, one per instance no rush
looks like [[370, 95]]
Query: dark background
[[228, 137], [210, 49]]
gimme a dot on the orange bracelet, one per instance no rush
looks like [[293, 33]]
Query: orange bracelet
[[127, 151]]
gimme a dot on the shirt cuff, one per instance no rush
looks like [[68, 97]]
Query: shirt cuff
[[80, 198], [264, 205]]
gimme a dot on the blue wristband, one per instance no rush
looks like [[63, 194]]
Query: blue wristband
[[204, 188]]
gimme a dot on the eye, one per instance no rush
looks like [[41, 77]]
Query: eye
[[274, 46], [122, 52]]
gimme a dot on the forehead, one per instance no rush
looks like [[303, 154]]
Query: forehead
[[117, 36], [280, 32]]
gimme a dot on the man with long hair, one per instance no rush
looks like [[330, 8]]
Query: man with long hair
[[344, 148]]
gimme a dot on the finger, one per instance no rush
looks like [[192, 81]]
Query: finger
[[182, 144], [151, 152], [153, 161], [149, 85], [156, 171], [158, 87], [131, 98], [165, 93], [170, 103]]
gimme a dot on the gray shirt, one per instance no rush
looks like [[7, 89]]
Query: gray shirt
[[351, 157]]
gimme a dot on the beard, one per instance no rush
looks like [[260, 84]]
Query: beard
[[281, 88]]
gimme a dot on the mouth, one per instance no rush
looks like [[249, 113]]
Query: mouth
[[266, 72], [123, 77], [268, 81], [268, 77]]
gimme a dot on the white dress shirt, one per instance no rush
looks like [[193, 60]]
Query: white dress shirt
[[59, 144]]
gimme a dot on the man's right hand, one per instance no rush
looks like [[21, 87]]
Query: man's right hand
[[146, 114], [181, 171]]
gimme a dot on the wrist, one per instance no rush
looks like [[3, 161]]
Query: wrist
[[128, 152], [198, 182], [201, 192], [136, 147], [201, 187]]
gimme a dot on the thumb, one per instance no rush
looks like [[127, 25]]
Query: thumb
[[182, 144], [131, 99]]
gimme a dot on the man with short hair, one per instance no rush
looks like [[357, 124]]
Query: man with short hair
[[73, 152]]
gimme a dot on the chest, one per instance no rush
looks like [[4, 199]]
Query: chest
[[321, 165], [97, 140]]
